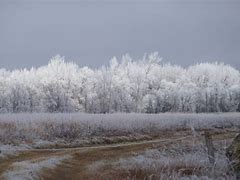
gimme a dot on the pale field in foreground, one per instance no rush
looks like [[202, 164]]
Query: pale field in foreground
[[114, 146], [38, 130]]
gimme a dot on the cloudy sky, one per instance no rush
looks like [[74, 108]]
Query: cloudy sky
[[90, 32]]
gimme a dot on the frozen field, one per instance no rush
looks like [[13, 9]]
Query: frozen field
[[108, 146], [82, 129]]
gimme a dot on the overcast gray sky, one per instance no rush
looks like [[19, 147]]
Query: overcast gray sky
[[89, 32]]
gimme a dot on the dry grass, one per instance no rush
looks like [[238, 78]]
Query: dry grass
[[187, 160], [173, 158], [63, 130], [176, 156]]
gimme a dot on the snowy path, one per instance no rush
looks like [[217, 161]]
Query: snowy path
[[72, 163], [31, 162]]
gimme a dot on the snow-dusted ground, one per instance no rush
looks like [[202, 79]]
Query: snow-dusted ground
[[43, 129], [176, 161], [31, 169], [7, 150]]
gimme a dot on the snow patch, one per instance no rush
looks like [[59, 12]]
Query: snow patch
[[31, 169], [7, 150]]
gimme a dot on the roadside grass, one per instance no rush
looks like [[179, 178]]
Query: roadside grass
[[181, 160], [170, 158], [177, 155], [72, 130]]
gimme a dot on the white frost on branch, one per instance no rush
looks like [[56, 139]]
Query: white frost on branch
[[146, 85]]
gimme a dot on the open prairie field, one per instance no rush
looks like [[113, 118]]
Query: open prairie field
[[119, 90], [115, 146]]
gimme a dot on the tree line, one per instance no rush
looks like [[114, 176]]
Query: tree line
[[146, 86]]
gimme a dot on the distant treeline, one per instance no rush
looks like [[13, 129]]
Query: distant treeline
[[145, 85]]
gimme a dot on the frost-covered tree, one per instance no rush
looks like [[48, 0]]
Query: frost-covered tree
[[146, 85]]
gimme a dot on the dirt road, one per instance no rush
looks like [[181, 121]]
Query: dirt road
[[76, 166]]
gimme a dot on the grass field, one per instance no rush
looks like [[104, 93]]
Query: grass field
[[115, 146]]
